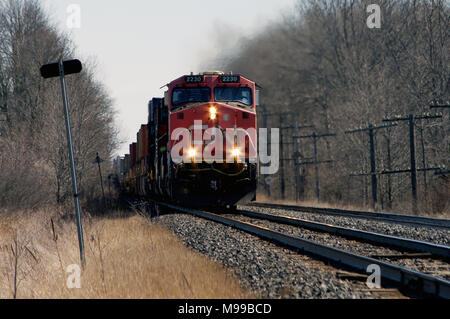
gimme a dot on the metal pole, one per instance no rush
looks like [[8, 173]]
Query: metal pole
[[101, 178], [281, 162], [316, 160], [372, 167], [410, 118], [424, 165], [72, 164], [297, 166], [366, 191], [374, 180], [413, 162], [388, 141], [266, 185]]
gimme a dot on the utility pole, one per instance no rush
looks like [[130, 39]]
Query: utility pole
[[98, 160], [316, 161], [389, 166], [282, 185], [296, 155], [298, 177], [282, 144], [412, 154], [411, 118], [316, 166], [424, 164], [266, 179], [371, 130]]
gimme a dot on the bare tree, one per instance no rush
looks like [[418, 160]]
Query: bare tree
[[323, 62], [33, 151]]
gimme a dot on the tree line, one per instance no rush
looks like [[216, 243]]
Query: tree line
[[34, 165], [322, 66]]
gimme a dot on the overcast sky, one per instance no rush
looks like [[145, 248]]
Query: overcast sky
[[140, 45]]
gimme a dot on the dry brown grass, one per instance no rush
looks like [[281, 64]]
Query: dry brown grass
[[127, 257], [401, 209]]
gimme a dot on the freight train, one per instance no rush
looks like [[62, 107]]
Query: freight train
[[199, 144]]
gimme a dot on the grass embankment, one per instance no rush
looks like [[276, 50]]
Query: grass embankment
[[401, 209], [127, 257]]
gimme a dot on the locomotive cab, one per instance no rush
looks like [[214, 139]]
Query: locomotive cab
[[202, 104]]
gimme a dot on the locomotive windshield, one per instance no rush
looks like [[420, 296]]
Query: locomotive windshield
[[182, 96], [234, 94]]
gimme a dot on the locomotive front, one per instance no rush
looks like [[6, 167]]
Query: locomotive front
[[213, 139]]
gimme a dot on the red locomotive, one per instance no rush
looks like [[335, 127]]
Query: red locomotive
[[199, 146]]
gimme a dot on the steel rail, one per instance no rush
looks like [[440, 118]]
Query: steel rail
[[409, 219], [407, 278], [377, 238]]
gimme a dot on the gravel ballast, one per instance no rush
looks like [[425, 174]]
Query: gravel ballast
[[268, 270], [424, 233]]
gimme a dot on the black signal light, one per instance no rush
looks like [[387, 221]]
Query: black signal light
[[52, 69]]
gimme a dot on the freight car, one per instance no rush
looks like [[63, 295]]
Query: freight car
[[199, 145]]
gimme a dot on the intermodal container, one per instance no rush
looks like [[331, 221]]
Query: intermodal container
[[144, 139], [133, 155], [138, 146], [126, 163]]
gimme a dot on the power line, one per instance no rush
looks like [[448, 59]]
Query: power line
[[370, 129], [411, 118], [316, 161]]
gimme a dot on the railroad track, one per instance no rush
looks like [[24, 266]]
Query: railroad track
[[381, 216], [416, 281], [422, 256], [372, 237]]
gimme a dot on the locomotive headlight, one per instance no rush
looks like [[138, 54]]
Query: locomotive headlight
[[212, 113], [235, 152], [191, 152]]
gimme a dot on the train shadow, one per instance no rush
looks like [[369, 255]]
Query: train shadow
[[147, 208]]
